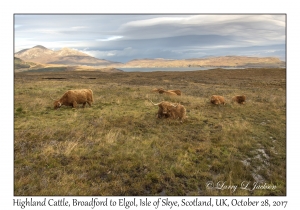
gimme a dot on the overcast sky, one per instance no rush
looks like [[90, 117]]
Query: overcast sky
[[122, 38]]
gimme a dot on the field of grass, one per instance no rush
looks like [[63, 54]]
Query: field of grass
[[119, 147]]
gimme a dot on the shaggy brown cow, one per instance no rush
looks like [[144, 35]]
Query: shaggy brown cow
[[74, 97], [216, 99], [241, 99], [169, 110]]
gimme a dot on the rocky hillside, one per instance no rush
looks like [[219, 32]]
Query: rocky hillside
[[66, 56]]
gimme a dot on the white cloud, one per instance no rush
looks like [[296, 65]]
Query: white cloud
[[253, 26], [153, 21], [109, 38]]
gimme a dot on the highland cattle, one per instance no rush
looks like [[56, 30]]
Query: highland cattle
[[216, 99], [241, 99], [169, 110], [74, 97]]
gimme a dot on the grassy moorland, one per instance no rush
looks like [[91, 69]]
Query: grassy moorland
[[119, 147]]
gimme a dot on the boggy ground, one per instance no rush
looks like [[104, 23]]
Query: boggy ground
[[119, 147]]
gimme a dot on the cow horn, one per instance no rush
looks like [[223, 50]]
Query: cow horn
[[175, 105], [154, 103], [51, 97]]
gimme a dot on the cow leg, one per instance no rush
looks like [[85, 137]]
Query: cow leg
[[74, 104], [89, 103], [83, 105]]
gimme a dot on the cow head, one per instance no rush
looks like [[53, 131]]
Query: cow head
[[214, 100], [161, 91], [168, 108], [163, 107], [57, 104]]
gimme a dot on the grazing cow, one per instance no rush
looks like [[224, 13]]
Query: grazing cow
[[241, 99], [74, 97], [169, 110], [216, 99]]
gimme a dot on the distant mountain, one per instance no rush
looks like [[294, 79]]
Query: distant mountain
[[65, 56], [70, 57], [223, 61]]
